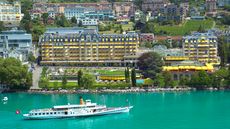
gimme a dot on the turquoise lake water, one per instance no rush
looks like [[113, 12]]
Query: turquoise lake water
[[173, 110]]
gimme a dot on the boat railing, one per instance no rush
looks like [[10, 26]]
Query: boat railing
[[42, 110]]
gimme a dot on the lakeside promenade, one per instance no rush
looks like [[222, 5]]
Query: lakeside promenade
[[130, 90]]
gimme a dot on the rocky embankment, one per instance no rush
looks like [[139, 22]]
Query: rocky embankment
[[129, 90]]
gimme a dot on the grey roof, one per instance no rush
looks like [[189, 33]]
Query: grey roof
[[16, 34], [64, 30], [198, 35], [69, 32]]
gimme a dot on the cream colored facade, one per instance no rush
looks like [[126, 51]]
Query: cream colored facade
[[10, 12], [201, 47], [88, 47]]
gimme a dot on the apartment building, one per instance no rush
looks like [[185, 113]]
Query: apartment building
[[15, 43], [78, 46], [80, 12], [122, 9], [60, 8], [10, 13], [202, 47], [153, 5]]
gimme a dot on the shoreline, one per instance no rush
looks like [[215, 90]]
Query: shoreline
[[130, 90]]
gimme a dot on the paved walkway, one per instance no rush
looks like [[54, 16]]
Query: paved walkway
[[36, 76]]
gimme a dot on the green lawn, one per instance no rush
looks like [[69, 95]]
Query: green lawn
[[125, 27], [100, 71], [185, 28], [111, 72], [56, 85], [71, 85]]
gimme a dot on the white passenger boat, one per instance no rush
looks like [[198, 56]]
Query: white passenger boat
[[80, 110]]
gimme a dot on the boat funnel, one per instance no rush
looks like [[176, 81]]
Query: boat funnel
[[81, 101]]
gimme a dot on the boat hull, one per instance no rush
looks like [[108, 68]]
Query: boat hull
[[107, 111]]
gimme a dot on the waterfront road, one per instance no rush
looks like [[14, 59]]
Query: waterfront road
[[36, 76]]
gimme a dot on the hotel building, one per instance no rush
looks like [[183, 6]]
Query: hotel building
[[86, 47], [15, 43], [10, 12], [201, 47]]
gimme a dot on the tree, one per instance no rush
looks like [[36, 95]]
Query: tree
[[138, 4], [37, 31], [62, 21], [159, 81], [14, 74], [26, 5], [201, 29], [64, 80], [88, 80], [148, 82], [150, 64], [200, 80], [45, 17], [223, 51], [44, 82], [127, 75], [228, 77], [26, 23], [1, 26], [133, 77], [226, 19], [74, 20], [168, 79], [80, 23], [31, 57], [219, 78], [79, 78], [183, 81]]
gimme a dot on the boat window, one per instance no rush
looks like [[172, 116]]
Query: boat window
[[39, 114], [66, 113], [51, 113], [47, 113], [43, 113], [35, 113], [54, 112]]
